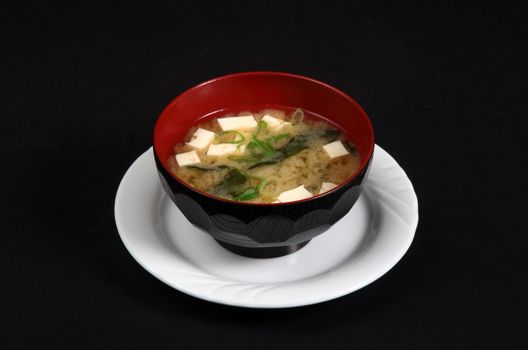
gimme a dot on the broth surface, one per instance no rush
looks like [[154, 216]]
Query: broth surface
[[269, 160]]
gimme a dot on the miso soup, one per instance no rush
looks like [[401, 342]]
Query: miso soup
[[266, 157]]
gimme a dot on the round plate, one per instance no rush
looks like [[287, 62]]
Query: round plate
[[361, 247]]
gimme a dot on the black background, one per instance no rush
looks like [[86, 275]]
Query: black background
[[81, 87]]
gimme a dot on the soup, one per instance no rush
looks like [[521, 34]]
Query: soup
[[265, 157]]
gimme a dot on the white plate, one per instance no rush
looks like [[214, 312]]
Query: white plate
[[357, 250]]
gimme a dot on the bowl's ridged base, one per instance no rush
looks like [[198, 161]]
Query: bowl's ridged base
[[263, 253]]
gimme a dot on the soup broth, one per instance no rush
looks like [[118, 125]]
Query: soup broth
[[264, 157]]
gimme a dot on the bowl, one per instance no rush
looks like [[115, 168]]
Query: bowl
[[255, 229]]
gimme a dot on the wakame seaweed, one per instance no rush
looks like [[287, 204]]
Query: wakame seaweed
[[232, 184], [295, 145]]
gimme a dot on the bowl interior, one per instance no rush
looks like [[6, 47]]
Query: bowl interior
[[255, 91]]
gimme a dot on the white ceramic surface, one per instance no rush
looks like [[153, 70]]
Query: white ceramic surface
[[357, 250]]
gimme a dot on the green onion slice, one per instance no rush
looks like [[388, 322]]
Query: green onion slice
[[239, 137]]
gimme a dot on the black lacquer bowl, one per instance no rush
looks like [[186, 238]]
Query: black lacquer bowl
[[262, 230]]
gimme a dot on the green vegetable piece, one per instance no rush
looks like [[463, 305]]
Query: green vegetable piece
[[300, 142], [272, 159], [249, 194], [260, 147], [350, 147], [232, 185], [330, 135], [262, 185], [222, 137], [296, 145], [208, 167], [260, 126]]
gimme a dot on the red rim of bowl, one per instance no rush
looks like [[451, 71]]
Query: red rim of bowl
[[363, 114]]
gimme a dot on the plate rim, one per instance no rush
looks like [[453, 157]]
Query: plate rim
[[322, 297]]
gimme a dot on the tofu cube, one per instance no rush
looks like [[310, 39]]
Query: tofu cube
[[295, 194], [201, 138], [335, 149], [327, 186], [238, 123], [223, 149], [187, 158], [274, 123]]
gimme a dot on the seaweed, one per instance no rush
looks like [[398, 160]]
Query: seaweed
[[232, 184], [295, 145]]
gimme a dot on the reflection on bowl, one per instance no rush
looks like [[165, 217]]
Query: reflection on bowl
[[256, 229]]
